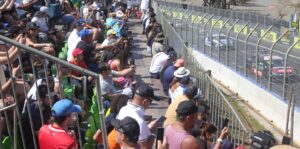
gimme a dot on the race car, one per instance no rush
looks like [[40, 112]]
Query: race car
[[214, 42], [277, 68]]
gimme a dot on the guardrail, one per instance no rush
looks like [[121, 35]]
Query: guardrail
[[13, 132], [220, 107], [265, 53]]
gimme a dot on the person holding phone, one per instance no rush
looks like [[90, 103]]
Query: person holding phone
[[128, 131], [176, 134]]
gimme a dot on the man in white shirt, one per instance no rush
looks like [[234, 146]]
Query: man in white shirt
[[144, 7], [136, 110], [40, 19], [75, 33], [74, 38], [157, 63]]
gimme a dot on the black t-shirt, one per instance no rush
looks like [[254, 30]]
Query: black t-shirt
[[88, 49]]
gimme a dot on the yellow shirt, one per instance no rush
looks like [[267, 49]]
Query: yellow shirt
[[171, 111]]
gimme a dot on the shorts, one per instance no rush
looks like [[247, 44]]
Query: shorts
[[66, 19]]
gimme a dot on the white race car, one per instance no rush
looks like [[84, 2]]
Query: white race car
[[214, 42]]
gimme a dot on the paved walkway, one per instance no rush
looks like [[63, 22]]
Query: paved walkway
[[142, 61]]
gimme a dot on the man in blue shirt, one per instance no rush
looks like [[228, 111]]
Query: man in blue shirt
[[168, 75]]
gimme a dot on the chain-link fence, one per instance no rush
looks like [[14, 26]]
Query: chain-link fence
[[256, 47], [25, 109], [220, 108]]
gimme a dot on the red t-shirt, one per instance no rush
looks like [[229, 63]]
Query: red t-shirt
[[55, 138], [80, 64]]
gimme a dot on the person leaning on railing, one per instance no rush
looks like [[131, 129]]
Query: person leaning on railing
[[31, 32], [13, 52]]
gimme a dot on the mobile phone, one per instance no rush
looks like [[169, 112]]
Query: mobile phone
[[286, 140], [132, 61], [161, 119], [225, 122], [160, 133]]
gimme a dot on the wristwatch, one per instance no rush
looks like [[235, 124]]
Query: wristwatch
[[219, 140]]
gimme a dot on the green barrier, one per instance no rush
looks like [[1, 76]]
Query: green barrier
[[297, 46], [237, 28], [254, 33], [271, 36], [198, 19], [218, 24], [285, 40]]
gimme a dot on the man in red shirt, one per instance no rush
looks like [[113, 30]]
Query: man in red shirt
[[57, 135]]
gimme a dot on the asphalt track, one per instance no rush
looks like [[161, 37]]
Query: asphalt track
[[193, 34]]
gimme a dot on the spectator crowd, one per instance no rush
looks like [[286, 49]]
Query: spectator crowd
[[53, 101]]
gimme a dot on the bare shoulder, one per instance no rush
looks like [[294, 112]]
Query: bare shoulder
[[190, 143]]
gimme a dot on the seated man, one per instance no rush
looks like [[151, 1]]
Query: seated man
[[107, 86], [158, 62]]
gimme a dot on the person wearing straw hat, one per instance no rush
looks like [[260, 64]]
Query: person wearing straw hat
[[158, 44]]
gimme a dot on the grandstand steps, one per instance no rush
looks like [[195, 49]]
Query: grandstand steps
[[142, 61]]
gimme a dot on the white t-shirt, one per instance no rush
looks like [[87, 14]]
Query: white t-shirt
[[107, 85], [74, 35], [158, 62], [178, 91], [145, 4], [136, 112], [131, 3], [41, 22], [71, 48]]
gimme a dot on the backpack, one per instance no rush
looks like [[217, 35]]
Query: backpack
[[262, 140], [54, 10]]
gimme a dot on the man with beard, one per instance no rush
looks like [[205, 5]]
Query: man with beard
[[57, 135]]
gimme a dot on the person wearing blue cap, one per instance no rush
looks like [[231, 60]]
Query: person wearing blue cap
[[74, 35], [86, 44], [56, 135]]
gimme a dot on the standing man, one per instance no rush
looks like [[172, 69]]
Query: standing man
[[144, 7], [136, 110], [176, 134], [57, 135]]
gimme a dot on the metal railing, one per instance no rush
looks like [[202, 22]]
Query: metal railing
[[261, 50], [12, 116], [220, 107]]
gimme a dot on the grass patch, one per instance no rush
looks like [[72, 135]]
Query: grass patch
[[250, 122]]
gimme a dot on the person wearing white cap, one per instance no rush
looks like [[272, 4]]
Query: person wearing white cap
[[40, 19]]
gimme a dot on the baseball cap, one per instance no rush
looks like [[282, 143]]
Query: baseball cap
[[128, 126], [194, 93], [172, 54], [179, 63], [185, 80], [146, 91], [31, 25], [64, 107], [110, 32], [186, 108], [44, 9], [76, 52], [85, 32], [80, 22]]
